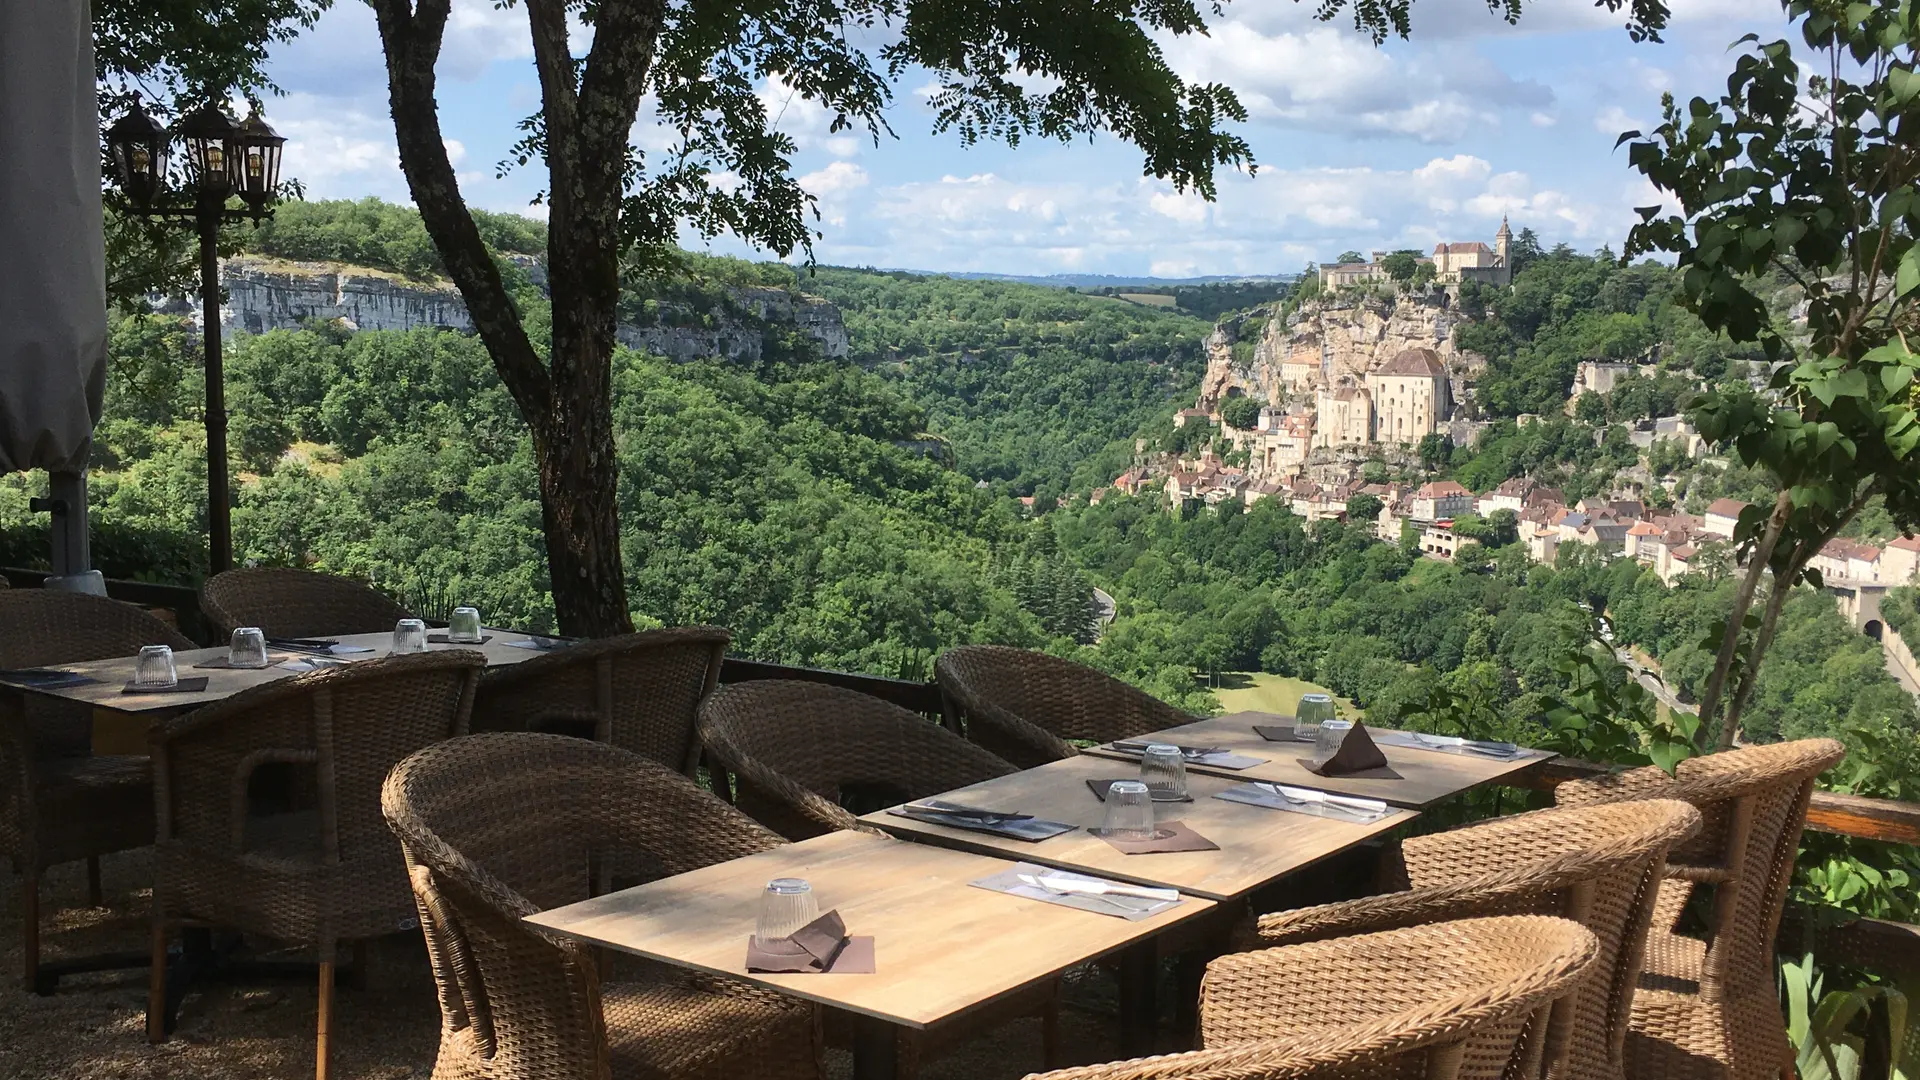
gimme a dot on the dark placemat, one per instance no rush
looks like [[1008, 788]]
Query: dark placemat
[[443, 639], [1177, 837], [1032, 830], [45, 678], [1099, 789], [227, 662], [1278, 733], [193, 684], [1211, 756]]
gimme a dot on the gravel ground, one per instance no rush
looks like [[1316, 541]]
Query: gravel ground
[[386, 1029]]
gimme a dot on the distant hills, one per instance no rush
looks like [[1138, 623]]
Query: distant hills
[[1110, 281]]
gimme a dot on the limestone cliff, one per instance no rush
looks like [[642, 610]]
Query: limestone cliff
[[1322, 341], [268, 294]]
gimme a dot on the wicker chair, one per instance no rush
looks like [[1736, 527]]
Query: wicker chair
[[640, 692], [518, 1003], [798, 750], [1599, 866], [59, 802], [296, 603], [321, 877], [1708, 1007], [1024, 705], [1447, 1001]]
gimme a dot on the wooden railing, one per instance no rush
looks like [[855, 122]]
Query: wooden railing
[[1876, 944]]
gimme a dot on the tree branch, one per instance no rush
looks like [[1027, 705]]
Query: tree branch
[[412, 43], [1736, 619]]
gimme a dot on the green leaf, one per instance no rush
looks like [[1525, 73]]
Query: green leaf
[[1905, 84], [1908, 277]]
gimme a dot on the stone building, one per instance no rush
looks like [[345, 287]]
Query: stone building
[[1475, 261], [1344, 416], [1410, 397]]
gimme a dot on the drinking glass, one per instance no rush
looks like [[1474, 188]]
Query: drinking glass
[[1129, 811], [785, 907], [1326, 742], [409, 636], [1164, 770], [248, 649], [1313, 710], [464, 627], [154, 669]]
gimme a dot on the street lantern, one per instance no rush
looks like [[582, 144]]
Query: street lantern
[[208, 136], [259, 161], [138, 143], [223, 159]]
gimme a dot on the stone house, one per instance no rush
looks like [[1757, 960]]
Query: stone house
[[1410, 396], [1439, 500], [1841, 559], [1723, 515], [1437, 541], [1900, 560], [1344, 416]]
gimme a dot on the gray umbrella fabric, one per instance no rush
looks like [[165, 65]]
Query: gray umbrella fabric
[[53, 304]]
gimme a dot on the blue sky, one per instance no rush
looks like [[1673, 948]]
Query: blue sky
[[1420, 141]]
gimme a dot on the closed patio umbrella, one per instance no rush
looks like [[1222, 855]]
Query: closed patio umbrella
[[53, 305]]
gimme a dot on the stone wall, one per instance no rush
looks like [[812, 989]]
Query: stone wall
[[1352, 336]]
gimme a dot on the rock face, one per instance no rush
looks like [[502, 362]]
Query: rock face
[[267, 295], [1322, 342]]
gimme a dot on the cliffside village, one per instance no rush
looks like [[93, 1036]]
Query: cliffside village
[[1343, 381]]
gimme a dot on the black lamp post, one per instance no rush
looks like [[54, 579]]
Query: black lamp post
[[223, 159]]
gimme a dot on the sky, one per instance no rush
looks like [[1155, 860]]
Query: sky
[[1358, 148]]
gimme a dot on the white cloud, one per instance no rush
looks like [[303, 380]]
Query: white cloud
[[832, 185], [806, 121], [1184, 207], [1613, 120], [1543, 119]]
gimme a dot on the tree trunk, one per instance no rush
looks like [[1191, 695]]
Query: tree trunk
[[580, 513], [1736, 619]]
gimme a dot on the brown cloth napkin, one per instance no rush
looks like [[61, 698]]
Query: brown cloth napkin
[[1177, 838], [1099, 788], [821, 946], [1356, 756], [442, 639], [192, 685]]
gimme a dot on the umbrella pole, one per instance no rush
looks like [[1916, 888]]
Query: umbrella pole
[[219, 512]]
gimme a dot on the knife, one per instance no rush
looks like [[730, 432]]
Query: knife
[[1084, 886], [937, 806], [1480, 746], [1310, 795]]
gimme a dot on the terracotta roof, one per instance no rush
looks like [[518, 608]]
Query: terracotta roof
[[1516, 487], [1684, 552], [1644, 528], [1905, 543], [1440, 489], [1729, 508], [1414, 362], [1471, 247], [1842, 548]]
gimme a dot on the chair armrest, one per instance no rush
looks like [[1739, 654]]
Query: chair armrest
[[1393, 911], [1260, 1060], [1023, 743]]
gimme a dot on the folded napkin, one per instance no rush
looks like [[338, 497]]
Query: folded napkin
[[1356, 756], [1013, 826], [1100, 790], [192, 685], [1168, 836], [821, 946], [443, 639], [45, 678]]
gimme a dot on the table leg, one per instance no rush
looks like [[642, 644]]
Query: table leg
[[876, 1049], [1139, 1011]]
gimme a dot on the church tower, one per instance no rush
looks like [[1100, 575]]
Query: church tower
[[1501, 240]]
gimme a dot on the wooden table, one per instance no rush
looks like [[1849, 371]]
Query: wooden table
[[1426, 776], [1257, 845], [943, 949], [121, 719]]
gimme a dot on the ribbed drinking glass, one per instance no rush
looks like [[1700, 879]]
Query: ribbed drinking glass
[[409, 636], [1326, 742], [154, 669], [1164, 770], [464, 627], [1129, 811], [248, 648], [786, 906], [1313, 710]]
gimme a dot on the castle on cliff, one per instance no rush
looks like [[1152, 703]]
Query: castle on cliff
[[1452, 264]]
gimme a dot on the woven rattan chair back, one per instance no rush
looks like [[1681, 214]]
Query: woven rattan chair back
[[48, 626], [296, 603], [800, 752], [1024, 706], [1754, 801], [1444, 1001], [500, 825], [640, 692]]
